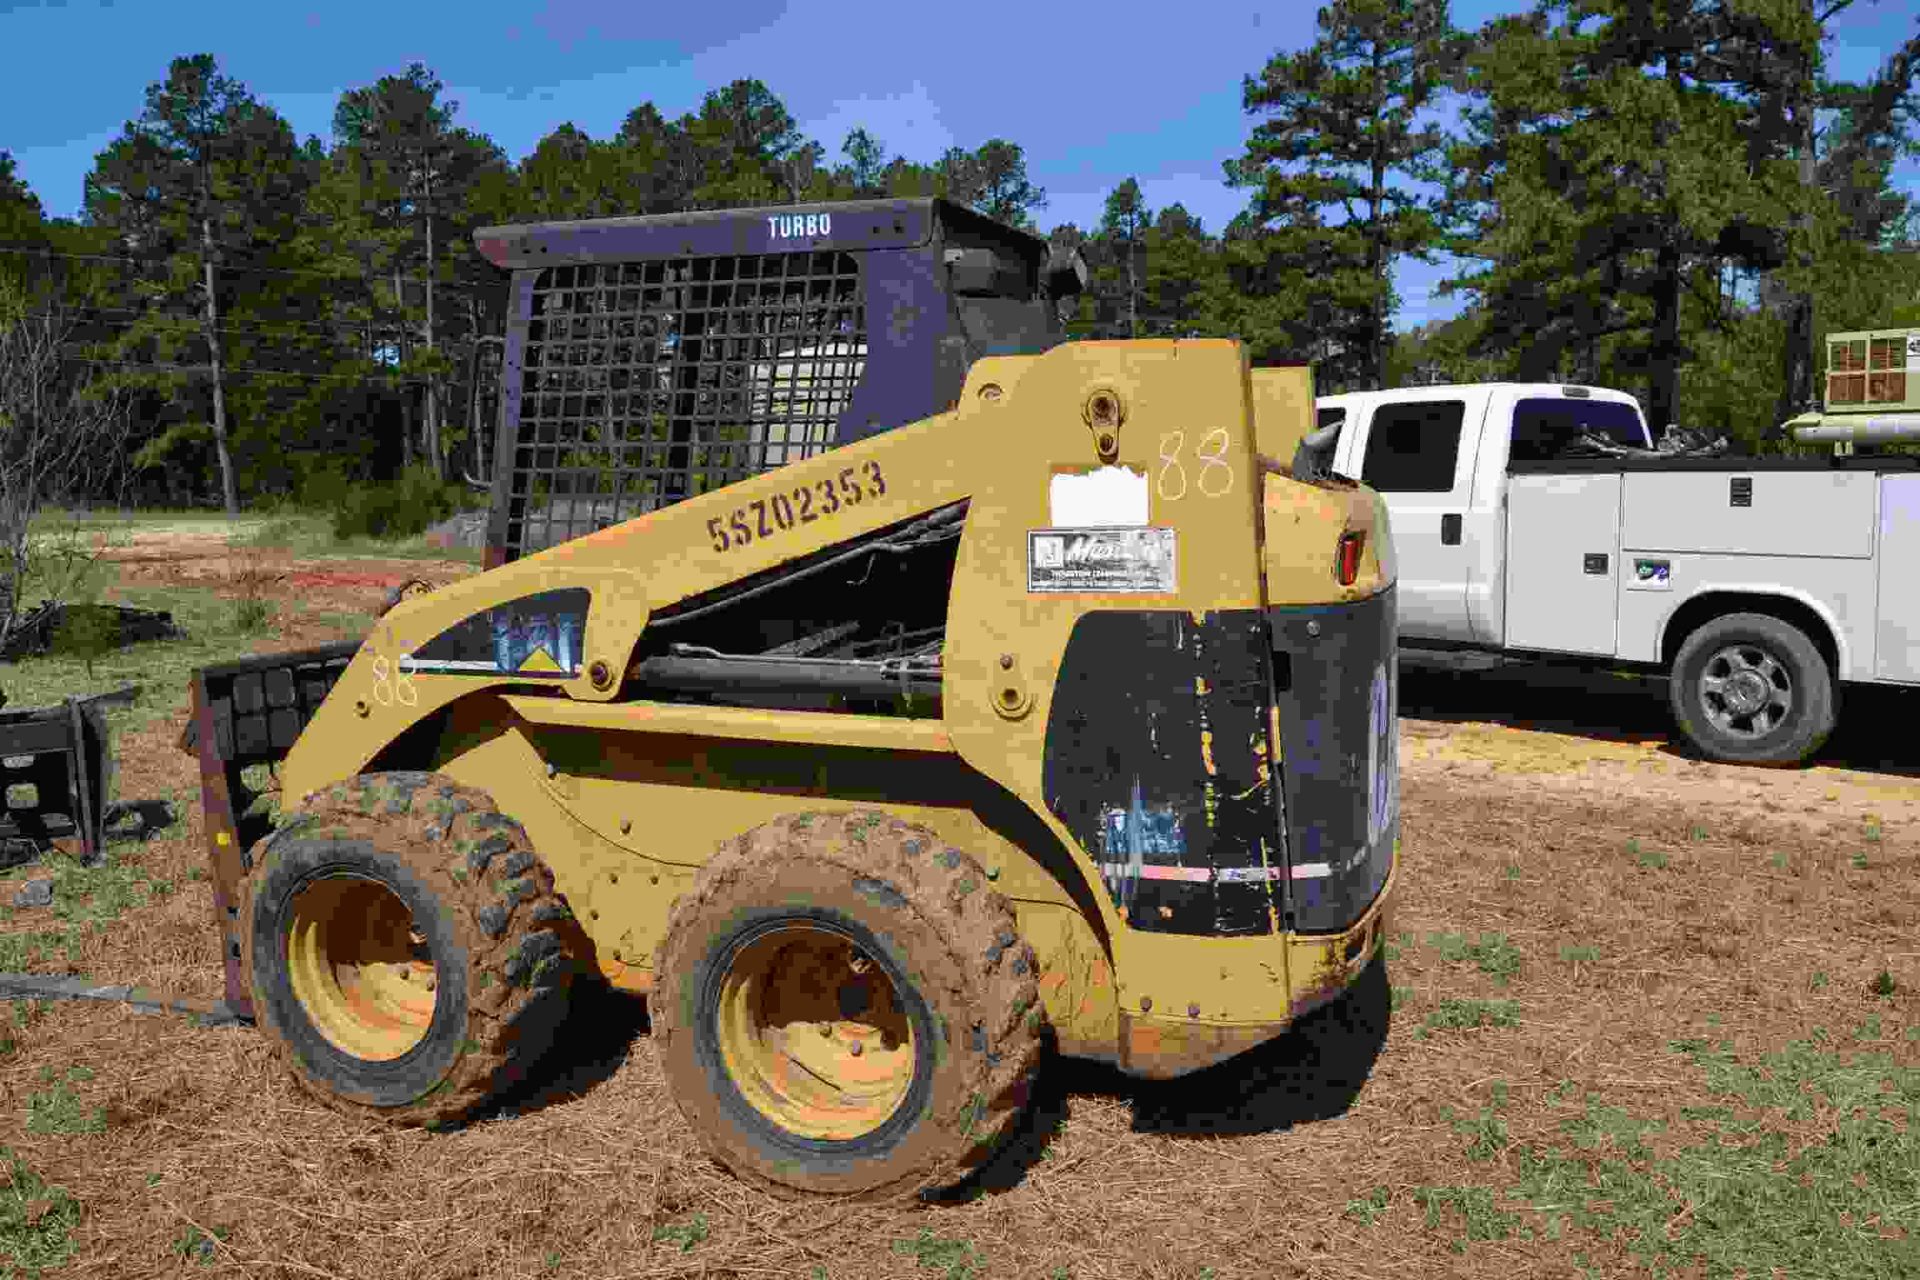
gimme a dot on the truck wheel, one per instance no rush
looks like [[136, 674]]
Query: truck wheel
[[843, 1006], [409, 957], [1750, 689]]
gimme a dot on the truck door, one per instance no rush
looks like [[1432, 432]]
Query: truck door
[[1418, 455]]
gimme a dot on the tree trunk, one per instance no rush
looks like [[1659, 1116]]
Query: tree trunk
[[212, 312], [1664, 395], [1376, 242], [1133, 286], [434, 458], [1796, 387], [474, 429], [400, 353]]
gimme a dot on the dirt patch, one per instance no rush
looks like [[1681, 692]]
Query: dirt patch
[[1641, 899], [294, 585]]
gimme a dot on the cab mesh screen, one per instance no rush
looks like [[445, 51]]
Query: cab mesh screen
[[648, 382]]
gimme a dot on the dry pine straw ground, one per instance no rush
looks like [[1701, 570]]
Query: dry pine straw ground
[[203, 1134]]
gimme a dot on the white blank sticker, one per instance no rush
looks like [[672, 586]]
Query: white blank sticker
[[1111, 497]]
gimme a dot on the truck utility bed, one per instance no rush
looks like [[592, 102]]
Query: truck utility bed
[[1598, 552]]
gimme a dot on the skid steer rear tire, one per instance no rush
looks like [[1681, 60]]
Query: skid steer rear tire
[[340, 904], [813, 933]]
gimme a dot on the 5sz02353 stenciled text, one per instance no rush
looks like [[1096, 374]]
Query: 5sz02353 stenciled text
[[763, 518]]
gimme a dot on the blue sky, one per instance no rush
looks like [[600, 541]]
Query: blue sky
[[1094, 93]]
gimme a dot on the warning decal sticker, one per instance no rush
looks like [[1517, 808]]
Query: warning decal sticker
[[536, 635], [1130, 561]]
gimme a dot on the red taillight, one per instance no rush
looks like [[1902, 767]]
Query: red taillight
[[1348, 566]]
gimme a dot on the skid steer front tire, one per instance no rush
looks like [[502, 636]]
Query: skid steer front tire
[[843, 1007], [408, 955]]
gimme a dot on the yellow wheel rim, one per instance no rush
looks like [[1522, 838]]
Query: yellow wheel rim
[[359, 968], [813, 1034]]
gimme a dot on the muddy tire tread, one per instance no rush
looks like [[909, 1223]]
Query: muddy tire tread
[[989, 970], [519, 974]]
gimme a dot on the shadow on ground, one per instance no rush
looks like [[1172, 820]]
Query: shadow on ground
[[601, 1027], [1874, 735], [1314, 1072]]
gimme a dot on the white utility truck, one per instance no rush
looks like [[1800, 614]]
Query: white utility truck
[[1757, 583]]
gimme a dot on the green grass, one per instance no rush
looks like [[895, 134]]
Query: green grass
[[1456, 1015], [20, 951], [1737, 1199], [60, 1110], [309, 535], [82, 896], [159, 667], [1494, 955], [1475, 1207], [218, 629], [36, 1221], [1576, 954], [685, 1234], [1486, 1130], [957, 1259], [215, 633], [50, 520], [1653, 858], [1371, 1209]]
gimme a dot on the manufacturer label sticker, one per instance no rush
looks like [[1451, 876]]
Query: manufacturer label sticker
[[1651, 575], [1115, 561]]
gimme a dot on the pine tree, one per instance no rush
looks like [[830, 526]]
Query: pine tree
[[1329, 168]]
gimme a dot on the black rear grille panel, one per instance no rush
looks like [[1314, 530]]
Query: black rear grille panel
[[647, 382]]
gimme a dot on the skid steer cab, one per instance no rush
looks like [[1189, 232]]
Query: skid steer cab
[[1063, 713]]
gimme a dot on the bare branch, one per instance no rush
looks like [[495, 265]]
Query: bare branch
[[63, 429]]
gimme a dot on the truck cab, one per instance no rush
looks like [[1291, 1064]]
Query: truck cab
[[1438, 455]]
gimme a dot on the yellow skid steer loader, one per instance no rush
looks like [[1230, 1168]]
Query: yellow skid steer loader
[[868, 676]]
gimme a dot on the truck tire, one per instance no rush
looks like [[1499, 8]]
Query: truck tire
[[844, 1007], [1749, 688], [408, 955]]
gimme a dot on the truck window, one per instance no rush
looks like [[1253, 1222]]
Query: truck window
[[1542, 428], [1413, 446]]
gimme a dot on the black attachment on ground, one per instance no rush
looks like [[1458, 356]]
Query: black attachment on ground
[[53, 772]]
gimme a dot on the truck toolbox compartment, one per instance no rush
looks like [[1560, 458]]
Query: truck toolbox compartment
[[1562, 538], [1750, 512]]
